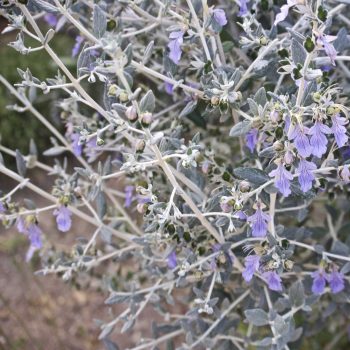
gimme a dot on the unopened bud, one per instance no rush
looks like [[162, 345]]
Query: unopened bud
[[146, 118], [278, 146], [244, 186], [123, 96], [131, 113], [140, 146]]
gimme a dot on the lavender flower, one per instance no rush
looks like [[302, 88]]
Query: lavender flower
[[169, 88], [2, 208], [76, 48], [325, 42], [51, 19], [251, 265], [282, 179], [172, 260], [76, 147], [251, 139], [336, 281], [175, 46], [128, 196], [284, 11], [243, 8], [20, 224], [34, 233], [273, 280], [220, 17], [301, 141], [344, 174], [318, 140], [63, 218], [258, 223], [339, 129], [319, 281], [306, 176]]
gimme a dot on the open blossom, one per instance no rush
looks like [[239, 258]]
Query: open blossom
[[175, 46], [128, 196], [319, 281], [318, 140], [306, 176], [243, 8], [251, 265], [251, 139], [284, 11], [172, 260], [258, 223], [298, 133], [76, 48], [63, 218], [325, 42], [336, 281], [339, 130], [282, 179], [220, 17], [273, 280], [51, 19], [33, 232], [76, 147]]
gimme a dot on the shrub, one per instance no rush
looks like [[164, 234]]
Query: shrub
[[213, 163]]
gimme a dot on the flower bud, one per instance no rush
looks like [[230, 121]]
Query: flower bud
[[146, 118], [123, 96], [140, 146], [206, 167], [100, 142], [275, 116], [278, 146], [131, 113], [288, 264], [244, 186], [112, 90], [215, 100]]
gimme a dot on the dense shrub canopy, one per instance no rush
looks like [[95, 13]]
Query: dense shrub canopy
[[206, 144]]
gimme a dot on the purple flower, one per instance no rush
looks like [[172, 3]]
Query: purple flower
[[344, 174], [2, 208], [336, 281], [220, 17], [63, 218], [51, 19], [128, 195], [258, 223], [306, 176], [20, 224], [284, 11], [319, 281], [34, 234], [172, 260], [282, 179], [251, 139], [301, 141], [325, 42], [169, 88], [243, 8], [240, 215], [76, 48], [251, 265], [339, 130], [318, 140], [76, 147], [175, 46], [273, 280]]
